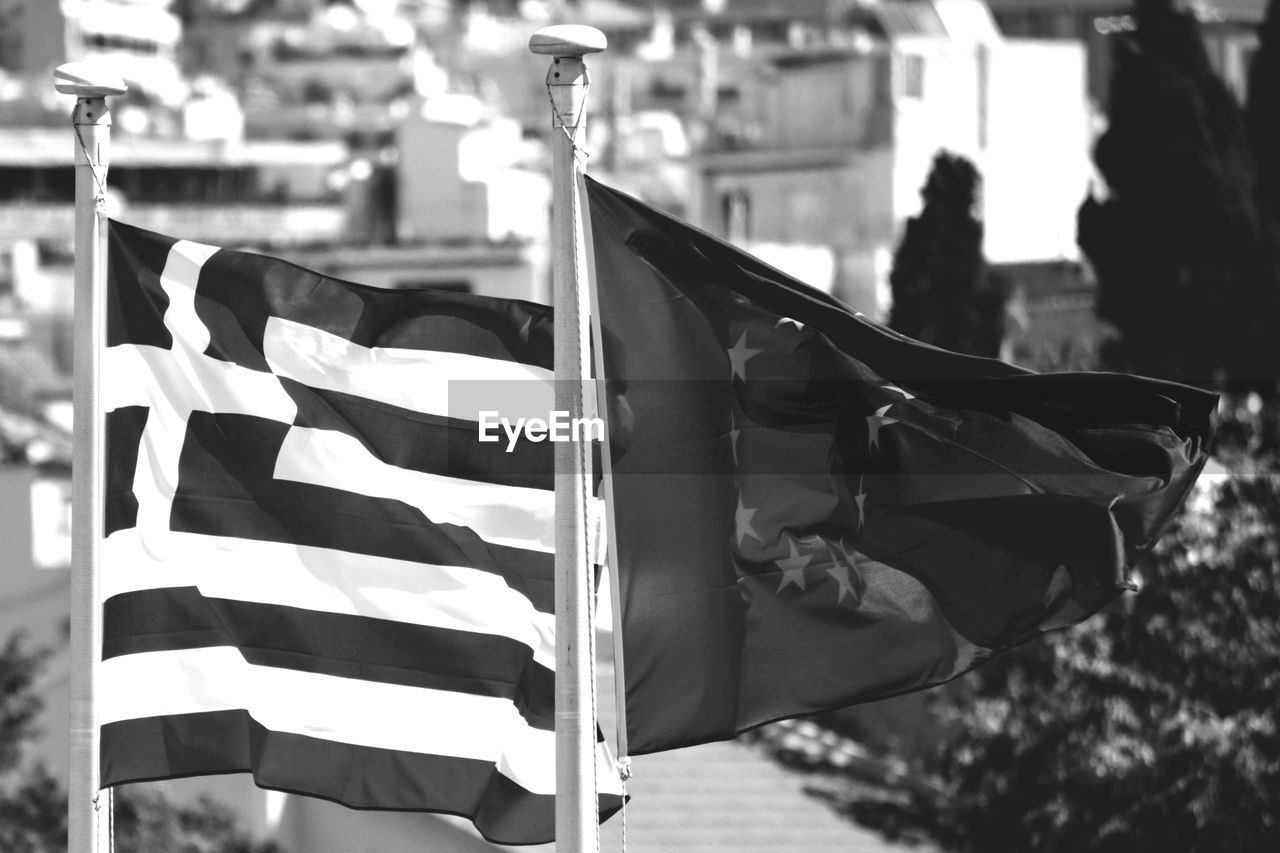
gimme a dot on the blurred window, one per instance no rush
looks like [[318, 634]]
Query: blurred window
[[735, 208], [912, 76]]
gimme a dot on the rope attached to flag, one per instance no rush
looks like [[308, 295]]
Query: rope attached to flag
[[560, 122]]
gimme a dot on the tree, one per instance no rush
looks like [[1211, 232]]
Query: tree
[[1153, 726], [33, 805], [148, 822], [1180, 249], [943, 292], [1262, 114]]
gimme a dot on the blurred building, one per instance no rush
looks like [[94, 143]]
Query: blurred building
[[352, 144], [467, 202], [268, 195], [138, 38], [341, 71], [698, 65], [1230, 29], [823, 175]]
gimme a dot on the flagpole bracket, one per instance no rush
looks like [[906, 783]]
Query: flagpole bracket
[[92, 84], [567, 78]]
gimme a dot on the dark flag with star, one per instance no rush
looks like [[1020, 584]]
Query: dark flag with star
[[813, 511]]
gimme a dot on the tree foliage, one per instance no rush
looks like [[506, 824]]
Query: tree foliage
[[33, 804], [1183, 254], [148, 822], [943, 292], [1153, 726]]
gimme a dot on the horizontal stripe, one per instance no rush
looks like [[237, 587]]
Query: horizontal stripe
[[422, 442], [453, 597], [346, 710], [163, 747], [183, 380], [342, 520], [332, 644], [227, 488], [504, 515], [448, 384], [240, 293]]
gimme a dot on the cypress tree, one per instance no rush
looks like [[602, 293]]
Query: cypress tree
[[943, 291], [1262, 115], [1177, 242]]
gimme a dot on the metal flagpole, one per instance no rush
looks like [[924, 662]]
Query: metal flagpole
[[577, 821], [88, 813]]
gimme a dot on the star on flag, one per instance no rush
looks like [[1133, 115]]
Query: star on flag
[[876, 422], [739, 355], [844, 585], [742, 522], [793, 567]]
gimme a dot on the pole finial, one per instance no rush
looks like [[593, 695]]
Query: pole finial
[[567, 40], [87, 80]]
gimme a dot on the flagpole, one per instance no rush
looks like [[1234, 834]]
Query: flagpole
[[577, 821], [88, 815]]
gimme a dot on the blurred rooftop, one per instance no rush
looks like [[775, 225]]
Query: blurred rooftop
[[49, 146], [1236, 11]]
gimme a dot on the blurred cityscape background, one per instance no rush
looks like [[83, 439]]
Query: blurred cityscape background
[[1065, 184]]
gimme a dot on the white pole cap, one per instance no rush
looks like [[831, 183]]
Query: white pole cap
[[87, 80], [567, 40]]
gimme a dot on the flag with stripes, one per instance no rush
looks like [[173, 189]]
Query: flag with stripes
[[313, 571]]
